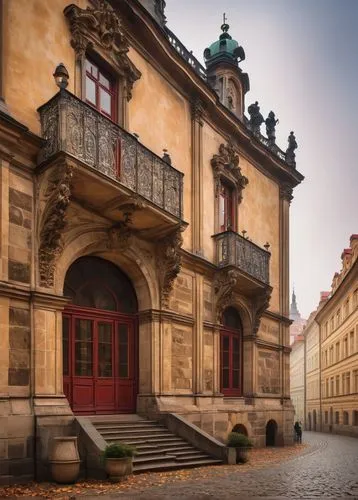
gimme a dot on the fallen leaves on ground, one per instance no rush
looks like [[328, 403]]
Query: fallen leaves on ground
[[258, 458]]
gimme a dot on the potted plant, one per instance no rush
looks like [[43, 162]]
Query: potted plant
[[242, 444], [118, 460]]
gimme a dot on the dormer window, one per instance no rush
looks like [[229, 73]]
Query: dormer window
[[100, 90]]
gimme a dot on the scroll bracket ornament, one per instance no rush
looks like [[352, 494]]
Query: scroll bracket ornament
[[226, 165], [169, 263], [261, 303], [100, 26], [57, 198], [225, 282]]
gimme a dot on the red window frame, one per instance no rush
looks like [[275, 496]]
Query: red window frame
[[98, 76], [227, 205], [232, 363]]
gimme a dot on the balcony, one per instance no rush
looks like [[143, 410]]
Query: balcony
[[111, 164], [232, 249]]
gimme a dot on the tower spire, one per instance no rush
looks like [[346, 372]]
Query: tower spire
[[294, 312]]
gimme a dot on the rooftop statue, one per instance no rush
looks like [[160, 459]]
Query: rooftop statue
[[256, 118], [271, 123], [290, 151]]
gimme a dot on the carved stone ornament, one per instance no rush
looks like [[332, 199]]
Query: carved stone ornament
[[57, 197], [225, 282], [120, 236], [169, 263], [197, 110], [100, 26], [226, 165], [261, 303], [286, 192]]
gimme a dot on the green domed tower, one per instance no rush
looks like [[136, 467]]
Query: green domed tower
[[222, 60]]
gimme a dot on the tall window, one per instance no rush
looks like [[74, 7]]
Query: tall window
[[100, 90], [227, 208], [231, 353]]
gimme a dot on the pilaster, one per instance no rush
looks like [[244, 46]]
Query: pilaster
[[4, 219], [3, 106], [197, 176], [198, 335]]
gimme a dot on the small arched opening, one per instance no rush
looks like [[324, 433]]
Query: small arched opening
[[271, 433], [309, 422], [240, 429]]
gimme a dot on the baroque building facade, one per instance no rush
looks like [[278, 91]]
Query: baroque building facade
[[145, 226], [297, 378]]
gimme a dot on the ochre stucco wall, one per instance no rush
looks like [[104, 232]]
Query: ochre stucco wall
[[259, 216], [37, 39], [165, 124], [258, 213]]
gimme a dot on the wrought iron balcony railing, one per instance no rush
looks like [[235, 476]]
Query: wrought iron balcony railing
[[69, 125], [235, 250], [186, 54]]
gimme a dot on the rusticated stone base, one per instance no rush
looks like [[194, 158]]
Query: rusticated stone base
[[217, 415]]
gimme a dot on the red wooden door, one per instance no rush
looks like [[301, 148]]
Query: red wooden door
[[231, 362], [99, 361]]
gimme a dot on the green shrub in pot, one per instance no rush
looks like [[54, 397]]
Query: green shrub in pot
[[118, 459], [242, 444]]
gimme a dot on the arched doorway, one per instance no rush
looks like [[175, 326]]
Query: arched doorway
[[314, 420], [271, 433], [99, 338], [231, 353]]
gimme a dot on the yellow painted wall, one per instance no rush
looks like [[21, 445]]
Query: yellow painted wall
[[37, 39], [258, 211], [259, 216], [161, 117]]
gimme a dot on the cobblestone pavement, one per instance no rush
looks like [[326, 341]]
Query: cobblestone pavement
[[328, 469]]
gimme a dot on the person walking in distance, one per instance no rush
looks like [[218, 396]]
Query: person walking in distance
[[298, 431]]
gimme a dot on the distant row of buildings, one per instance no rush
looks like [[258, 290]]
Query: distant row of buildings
[[324, 357]]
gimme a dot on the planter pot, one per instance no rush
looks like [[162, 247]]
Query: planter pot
[[64, 459], [118, 468], [242, 455]]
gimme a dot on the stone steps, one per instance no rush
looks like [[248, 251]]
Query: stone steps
[[158, 449]]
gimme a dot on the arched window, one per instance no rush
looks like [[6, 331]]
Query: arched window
[[231, 353]]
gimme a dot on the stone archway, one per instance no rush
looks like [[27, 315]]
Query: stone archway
[[100, 347], [240, 429], [309, 422], [271, 433]]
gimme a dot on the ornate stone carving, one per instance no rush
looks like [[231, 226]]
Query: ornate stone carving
[[261, 303], [286, 192], [271, 123], [169, 263], [197, 110], [224, 285], [57, 196], [226, 165], [256, 118], [100, 26], [290, 151], [120, 236]]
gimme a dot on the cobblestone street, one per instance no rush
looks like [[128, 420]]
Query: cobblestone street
[[328, 469]]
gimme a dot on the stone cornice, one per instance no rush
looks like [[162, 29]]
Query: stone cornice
[[349, 279], [189, 83], [156, 315], [278, 317], [17, 144]]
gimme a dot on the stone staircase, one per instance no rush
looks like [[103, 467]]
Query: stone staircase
[[158, 449]]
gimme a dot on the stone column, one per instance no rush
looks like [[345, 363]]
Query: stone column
[[197, 177], [4, 256], [198, 348], [249, 364]]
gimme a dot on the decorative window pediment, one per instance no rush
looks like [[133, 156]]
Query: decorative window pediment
[[226, 167], [99, 26]]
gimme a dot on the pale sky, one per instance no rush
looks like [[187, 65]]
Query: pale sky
[[302, 61]]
